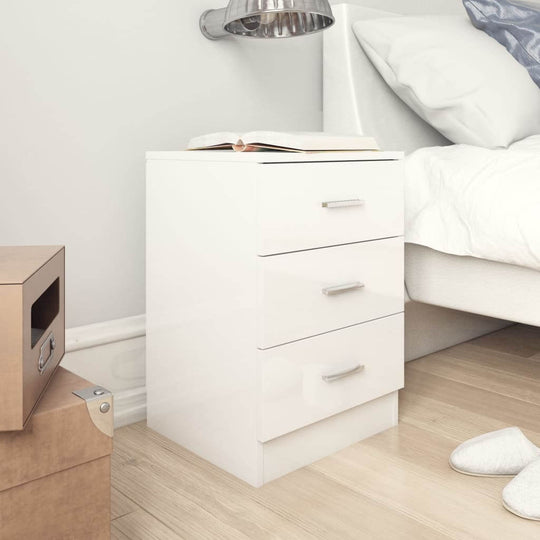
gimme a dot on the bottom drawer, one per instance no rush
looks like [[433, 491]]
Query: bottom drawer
[[306, 381]]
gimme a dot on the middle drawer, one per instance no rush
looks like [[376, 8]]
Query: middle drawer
[[311, 292]]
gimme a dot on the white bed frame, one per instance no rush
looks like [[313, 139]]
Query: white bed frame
[[452, 299]]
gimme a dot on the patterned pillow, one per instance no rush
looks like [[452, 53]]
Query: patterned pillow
[[516, 26]]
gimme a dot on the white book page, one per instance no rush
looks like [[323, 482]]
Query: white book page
[[302, 141], [310, 141], [214, 139]]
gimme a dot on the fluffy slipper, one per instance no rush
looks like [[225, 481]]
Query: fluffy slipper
[[522, 495], [505, 452]]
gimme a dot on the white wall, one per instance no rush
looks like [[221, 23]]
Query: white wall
[[89, 86]]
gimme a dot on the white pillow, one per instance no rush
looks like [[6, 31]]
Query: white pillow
[[457, 78]]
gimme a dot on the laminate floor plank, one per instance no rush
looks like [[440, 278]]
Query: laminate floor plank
[[426, 454], [512, 412], [449, 421], [511, 364], [340, 512], [140, 525], [180, 514], [482, 376], [520, 339], [121, 505], [117, 534]]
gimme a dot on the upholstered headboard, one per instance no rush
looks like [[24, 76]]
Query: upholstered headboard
[[356, 98]]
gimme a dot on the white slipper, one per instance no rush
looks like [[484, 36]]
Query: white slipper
[[522, 495], [505, 452]]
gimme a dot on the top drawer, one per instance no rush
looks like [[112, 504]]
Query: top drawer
[[32, 328], [300, 206]]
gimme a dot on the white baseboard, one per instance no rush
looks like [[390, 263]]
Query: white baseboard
[[112, 354], [102, 333], [129, 406]]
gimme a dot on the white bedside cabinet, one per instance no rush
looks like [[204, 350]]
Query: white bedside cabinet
[[274, 304]]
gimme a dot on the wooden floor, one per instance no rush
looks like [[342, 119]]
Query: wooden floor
[[395, 485]]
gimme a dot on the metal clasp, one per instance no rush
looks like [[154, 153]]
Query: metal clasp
[[42, 361]]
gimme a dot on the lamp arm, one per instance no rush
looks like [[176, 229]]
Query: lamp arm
[[212, 22]]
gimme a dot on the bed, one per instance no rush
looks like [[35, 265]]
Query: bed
[[451, 298]]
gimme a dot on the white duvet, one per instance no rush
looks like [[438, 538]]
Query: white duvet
[[473, 201]]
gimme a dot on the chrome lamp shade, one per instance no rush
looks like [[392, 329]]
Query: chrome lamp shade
[[267, 18]]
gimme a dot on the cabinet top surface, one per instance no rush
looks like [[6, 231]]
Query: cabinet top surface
[[228, 156], [18, 263]]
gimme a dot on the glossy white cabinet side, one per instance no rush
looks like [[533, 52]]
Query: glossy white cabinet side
[[201, 335]]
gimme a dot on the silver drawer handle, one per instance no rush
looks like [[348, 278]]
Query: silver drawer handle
[[42, 362], [343, 204], [331, 377], [346, 287]]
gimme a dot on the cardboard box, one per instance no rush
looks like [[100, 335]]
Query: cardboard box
[[55, 475], [32, 328]]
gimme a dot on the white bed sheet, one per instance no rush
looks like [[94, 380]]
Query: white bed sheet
[[465, 200]]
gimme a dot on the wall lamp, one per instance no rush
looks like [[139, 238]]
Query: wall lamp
[[267, 18]]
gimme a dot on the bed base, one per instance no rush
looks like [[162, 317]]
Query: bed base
[[489, 288]]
